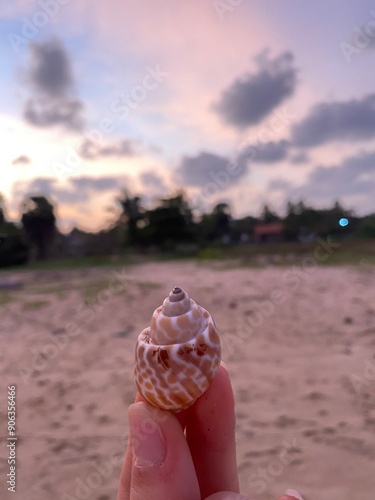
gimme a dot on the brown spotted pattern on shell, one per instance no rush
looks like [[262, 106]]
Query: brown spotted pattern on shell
[[178, 355]]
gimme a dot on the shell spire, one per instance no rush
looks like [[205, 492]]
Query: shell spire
[[177, 303], [178, 355]]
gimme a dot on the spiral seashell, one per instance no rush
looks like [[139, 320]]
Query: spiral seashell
[[178, 355]]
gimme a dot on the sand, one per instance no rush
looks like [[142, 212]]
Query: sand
[[299, 346]]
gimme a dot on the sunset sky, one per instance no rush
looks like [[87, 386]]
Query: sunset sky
[[238, 101]]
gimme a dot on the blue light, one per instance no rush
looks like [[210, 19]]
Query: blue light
[[343, 222]]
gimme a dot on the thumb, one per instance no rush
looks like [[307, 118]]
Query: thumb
[[162, 467]]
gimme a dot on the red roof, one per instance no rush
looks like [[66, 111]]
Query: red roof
[[273, 228]]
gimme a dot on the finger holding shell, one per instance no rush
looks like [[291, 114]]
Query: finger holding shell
[[178, 355]]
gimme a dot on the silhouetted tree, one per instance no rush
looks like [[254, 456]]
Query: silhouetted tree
[[216, 225], [39, 222], [292, 223], [14, 249], [132, 214], [206, 228], [222, 217], [243, 226], [2, 209], [366, 227], [268, 215], [304, 220], [169, 223]]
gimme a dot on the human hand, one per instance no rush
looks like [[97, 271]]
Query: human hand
[[164, 463]]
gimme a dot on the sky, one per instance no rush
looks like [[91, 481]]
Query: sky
[[235, 101]]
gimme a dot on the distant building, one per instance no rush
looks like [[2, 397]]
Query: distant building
[[269, 233]]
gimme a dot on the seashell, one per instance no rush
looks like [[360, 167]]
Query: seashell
[[178, 355]]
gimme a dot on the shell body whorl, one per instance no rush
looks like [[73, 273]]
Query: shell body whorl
[[178, 355]]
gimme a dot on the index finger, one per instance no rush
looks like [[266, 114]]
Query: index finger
[[210, 432]]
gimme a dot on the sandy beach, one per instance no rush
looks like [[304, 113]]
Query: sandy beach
[[299, 346]]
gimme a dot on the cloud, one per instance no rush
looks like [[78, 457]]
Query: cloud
[[278, 185], [207, 168], [21, 160], [50, 69], [76, 191], [66, 113], [40, 185], [92, 151], [51, 84], [299, 158], [152, 180], [267, 152], [95, 183], [341, 120], [251, 98], [355, 176], [44, 186]]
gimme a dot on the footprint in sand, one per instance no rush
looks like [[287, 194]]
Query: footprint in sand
[[285, 421], [316, 396], [104, 419]]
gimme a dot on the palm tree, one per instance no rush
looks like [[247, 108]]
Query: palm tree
[[39, 222]]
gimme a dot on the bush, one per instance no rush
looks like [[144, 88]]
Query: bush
[[366, 227], [14, 249]]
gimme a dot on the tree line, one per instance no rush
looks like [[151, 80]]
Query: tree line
[[171, 225]]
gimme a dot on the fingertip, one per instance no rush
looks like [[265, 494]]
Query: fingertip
[[294, 494], [148, 444], [291, 494], [223, 365], [287, 497], [138, 398]]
